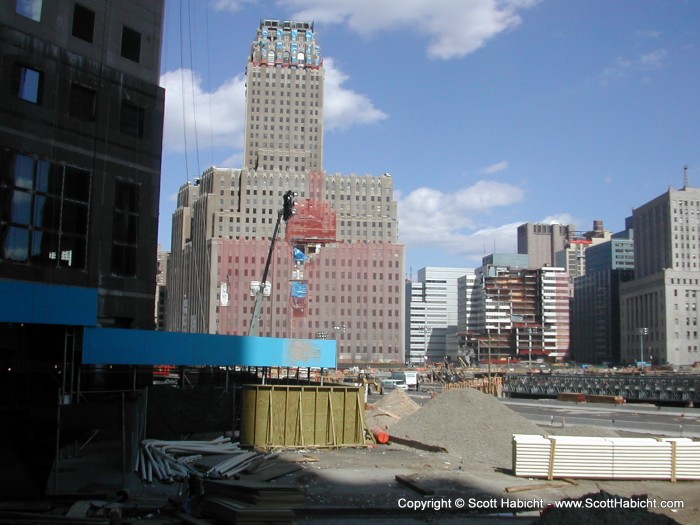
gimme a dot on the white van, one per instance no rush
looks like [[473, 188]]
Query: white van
[[390, 384]]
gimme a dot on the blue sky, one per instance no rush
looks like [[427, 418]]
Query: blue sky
[[487, 113]]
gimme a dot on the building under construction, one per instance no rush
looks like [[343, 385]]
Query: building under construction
[[525, 312]]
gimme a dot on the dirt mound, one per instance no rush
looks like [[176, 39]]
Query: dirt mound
[[390, 409], [469, 424]]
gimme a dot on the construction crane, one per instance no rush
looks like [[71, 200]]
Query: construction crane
[[287, 212]]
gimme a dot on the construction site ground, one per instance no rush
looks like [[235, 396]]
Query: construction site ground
[[396, 483]]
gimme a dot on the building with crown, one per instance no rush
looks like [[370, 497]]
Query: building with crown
[[336, 270]]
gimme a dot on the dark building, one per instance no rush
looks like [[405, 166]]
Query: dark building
[[596, 302], [80, 147], [81, 125]]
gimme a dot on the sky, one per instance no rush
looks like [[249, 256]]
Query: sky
[[486, 113]]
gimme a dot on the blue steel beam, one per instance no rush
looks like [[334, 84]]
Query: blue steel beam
[[115, 346]]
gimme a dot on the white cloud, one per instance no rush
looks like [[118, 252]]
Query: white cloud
[[231, 5], [430, 219], [454, 28], [559, 218], [495, 168], [218, 117], [654, 59], [343, 108], [623, 67]]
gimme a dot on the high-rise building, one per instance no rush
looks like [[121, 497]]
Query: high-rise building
[[336, 271], [284, 105], [433, 313], [541, 242], [659, 321], [596, 303]]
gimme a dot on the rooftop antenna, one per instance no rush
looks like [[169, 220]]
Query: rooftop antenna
[[686, 182]]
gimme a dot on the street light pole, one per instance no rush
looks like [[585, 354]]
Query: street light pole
[[642, 332]]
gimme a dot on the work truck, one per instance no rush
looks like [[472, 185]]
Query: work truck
[[407, 376]]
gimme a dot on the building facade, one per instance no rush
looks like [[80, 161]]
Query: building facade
[[596, 303], [336, 271], [432, 320], [161, 287], [659, 321], [541, 242], [81, 116], [80, 141], [573, 257], [525, 312]]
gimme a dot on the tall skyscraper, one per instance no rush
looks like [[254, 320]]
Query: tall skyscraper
[[660, 305], [336, 271], [284, 105]]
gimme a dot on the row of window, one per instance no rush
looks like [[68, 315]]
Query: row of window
[[44, 215], [43, 212], [83, 26], [28, 85]]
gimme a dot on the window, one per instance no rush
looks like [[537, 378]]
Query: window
[[26, 84], [83, 23], [125, 228], [44, 220], [132, 119], [131, 44], [82, 102], [29, 8]]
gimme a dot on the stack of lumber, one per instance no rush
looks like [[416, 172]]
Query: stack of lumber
[[242, 502]]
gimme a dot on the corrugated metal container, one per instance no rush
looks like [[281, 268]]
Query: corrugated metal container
[[301, 416]]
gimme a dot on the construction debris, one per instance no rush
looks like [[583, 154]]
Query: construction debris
[[169, 460]]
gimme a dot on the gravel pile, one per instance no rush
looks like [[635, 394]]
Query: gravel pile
[[469, 424]]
